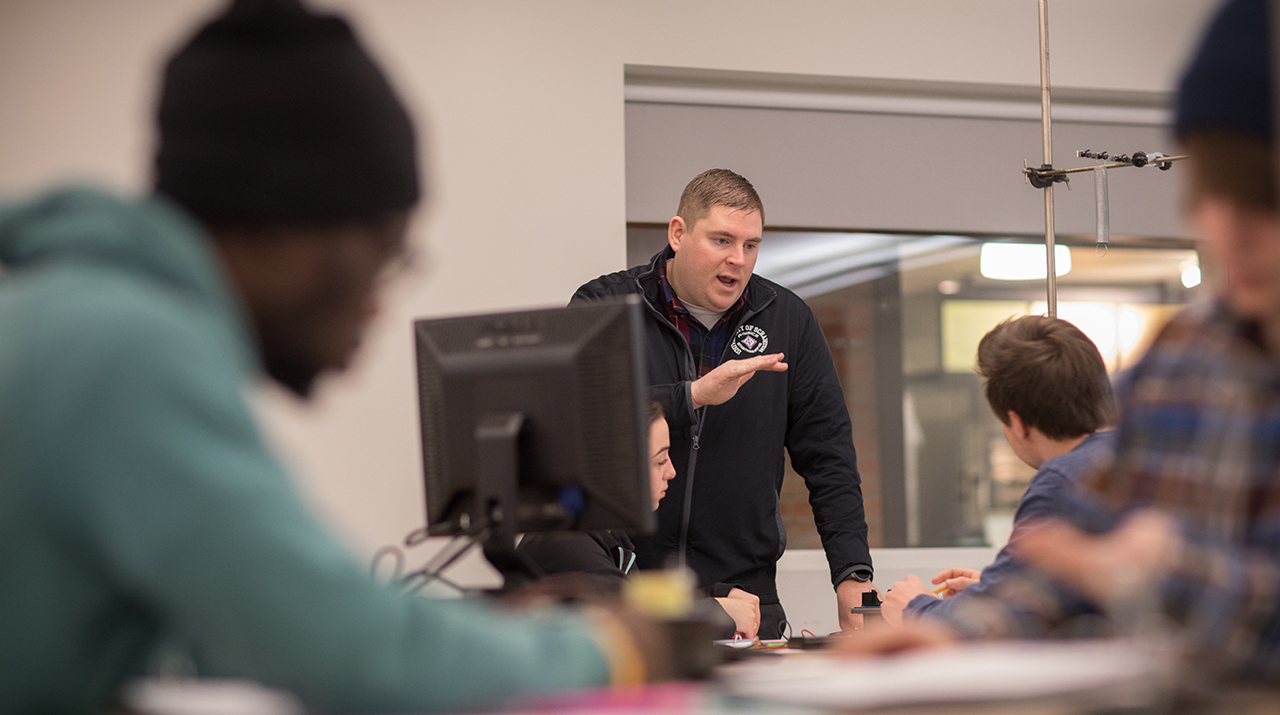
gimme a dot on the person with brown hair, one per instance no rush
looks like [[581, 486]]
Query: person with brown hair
[[1047, 383], [1182, 526], [717, 336], [607, 553], [1194, 490]]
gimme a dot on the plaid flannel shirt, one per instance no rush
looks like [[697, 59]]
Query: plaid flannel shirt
[[1199, 438], [706, 345]]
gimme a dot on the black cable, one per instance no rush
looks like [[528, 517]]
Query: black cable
[[431, 563], [424, 579], [413, 582], [377, 558], [482, 526], [429, 573], [412, 539], [471, 543], [417, 536]]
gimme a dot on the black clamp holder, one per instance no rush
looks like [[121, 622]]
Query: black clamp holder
[[1139, 158], [1045, 176]]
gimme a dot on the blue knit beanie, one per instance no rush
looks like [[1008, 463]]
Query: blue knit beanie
[[1227, 86]]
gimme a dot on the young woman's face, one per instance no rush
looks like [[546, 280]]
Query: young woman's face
[[660, 469]]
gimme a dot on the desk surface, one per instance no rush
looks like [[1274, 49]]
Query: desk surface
[[1076, 673], [684, 698]]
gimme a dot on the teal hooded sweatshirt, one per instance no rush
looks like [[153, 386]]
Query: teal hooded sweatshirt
[[138, 499]]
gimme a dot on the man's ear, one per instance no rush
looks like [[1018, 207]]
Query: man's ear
[[676, 231], [1018, 427]]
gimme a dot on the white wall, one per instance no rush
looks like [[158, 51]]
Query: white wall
[[521, 108]]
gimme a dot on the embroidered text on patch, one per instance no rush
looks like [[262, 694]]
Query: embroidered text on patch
[[750, 340]]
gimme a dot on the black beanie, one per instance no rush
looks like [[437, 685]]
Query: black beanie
[[1227, 86], [273, 114]]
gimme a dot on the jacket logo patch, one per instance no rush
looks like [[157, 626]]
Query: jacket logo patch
[[749, 340]]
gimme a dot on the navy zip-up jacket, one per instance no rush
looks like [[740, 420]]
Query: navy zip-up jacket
[[722, 507]]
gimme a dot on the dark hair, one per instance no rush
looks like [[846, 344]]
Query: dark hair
[[1049, 373], [717, 187], [655, 412]]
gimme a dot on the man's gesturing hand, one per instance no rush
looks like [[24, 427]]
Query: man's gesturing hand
[[722, 383]]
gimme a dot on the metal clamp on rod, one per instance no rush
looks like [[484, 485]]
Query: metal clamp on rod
[[1044, 176]]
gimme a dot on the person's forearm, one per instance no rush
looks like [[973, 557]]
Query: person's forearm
[[677, 403], [1229, 601]]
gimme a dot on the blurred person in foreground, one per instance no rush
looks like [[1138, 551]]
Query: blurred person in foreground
[[1048, 385], [138, 501], [1190, 521]]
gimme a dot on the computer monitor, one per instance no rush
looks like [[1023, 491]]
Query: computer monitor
[[534, 421]]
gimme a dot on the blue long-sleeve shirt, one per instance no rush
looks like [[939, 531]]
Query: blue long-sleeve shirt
[[1051, 493]]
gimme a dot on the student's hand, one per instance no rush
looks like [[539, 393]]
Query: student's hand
[[722, 383], [848, 596], [896, 600], [744, 609], [1110, 568], [956, 579]]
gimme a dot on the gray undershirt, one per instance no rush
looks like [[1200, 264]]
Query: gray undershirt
[[708, 318]]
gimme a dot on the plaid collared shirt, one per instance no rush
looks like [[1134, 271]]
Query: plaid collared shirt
[[706, 345], [1199, 438]]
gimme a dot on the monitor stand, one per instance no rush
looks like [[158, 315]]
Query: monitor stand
[[498, 493]]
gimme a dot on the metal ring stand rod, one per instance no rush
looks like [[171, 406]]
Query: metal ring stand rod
[[1051, 272], [1045, 176]]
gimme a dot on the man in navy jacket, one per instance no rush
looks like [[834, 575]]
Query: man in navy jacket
[[712, 326]]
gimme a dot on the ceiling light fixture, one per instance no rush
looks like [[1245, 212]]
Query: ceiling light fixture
[[1021, 261]]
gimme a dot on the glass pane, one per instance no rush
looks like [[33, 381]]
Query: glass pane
[[903, 314]]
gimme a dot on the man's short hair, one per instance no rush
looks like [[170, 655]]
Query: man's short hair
[[1049, 373], [717, 187]]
